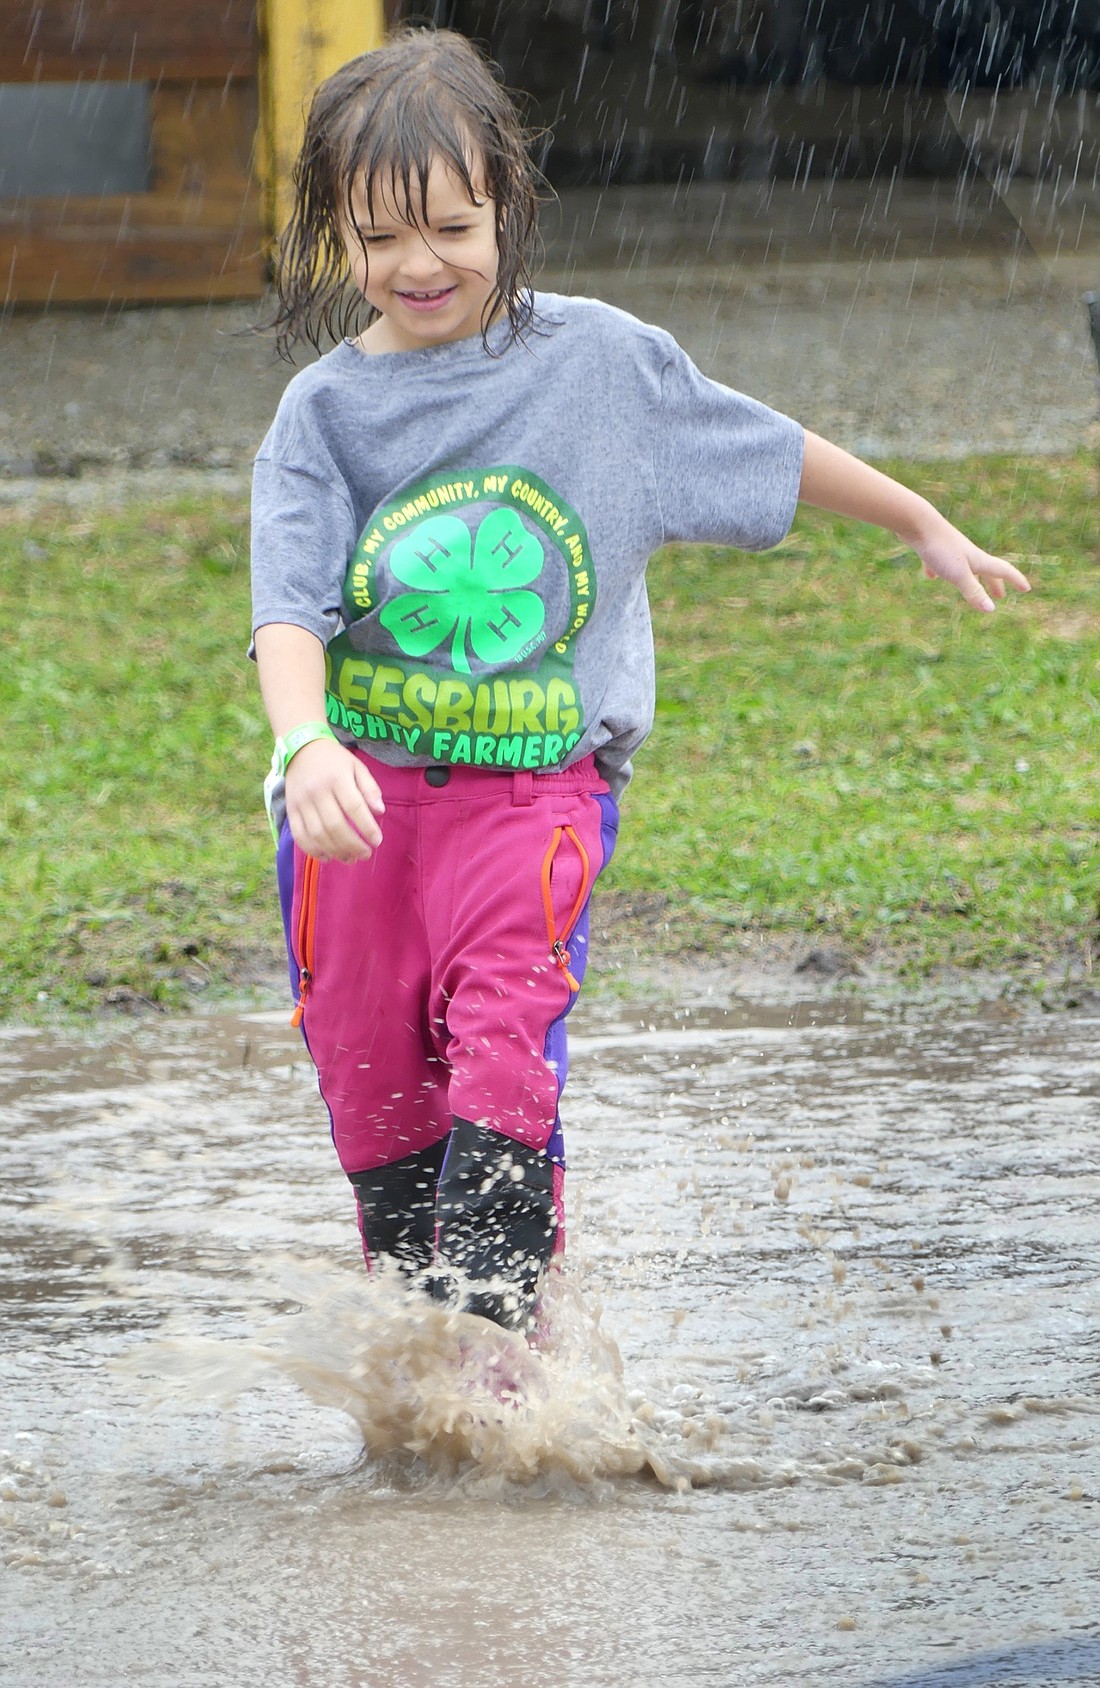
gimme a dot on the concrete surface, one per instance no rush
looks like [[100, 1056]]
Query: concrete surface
[[916, 319]]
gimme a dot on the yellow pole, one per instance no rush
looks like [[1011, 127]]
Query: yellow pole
[[302, 42]]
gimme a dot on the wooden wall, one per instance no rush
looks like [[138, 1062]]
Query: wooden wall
[[198, 232]]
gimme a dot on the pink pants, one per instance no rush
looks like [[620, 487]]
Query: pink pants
[[434, 979]]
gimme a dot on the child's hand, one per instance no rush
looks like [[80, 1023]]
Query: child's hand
[[832, 479], [948, 555], [331, 803]]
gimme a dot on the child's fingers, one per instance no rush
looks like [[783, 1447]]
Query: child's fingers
[[957, 572], [322, 829], [369, 788], [979, 576], [350, 824], [974, 592], [333, 836], [309, 833], [996, 571], [359, 811]]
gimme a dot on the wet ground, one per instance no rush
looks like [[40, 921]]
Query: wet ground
[[819, 1401], [916, 318]]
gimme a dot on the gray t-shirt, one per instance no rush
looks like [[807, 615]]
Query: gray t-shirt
[[468, 534]]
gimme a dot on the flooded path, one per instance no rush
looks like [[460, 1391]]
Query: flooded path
[[849, 1256]]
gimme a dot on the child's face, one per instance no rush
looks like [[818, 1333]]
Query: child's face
[[429, 278]]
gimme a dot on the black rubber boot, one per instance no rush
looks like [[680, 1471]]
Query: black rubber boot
[[496, 1223], [397, 1207]]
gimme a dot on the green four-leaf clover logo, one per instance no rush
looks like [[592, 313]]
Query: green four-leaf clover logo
[[466, 589]]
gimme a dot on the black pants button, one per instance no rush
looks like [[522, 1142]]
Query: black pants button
[[437, 776]]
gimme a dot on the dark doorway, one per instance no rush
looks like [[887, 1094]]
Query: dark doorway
[[668, 90]]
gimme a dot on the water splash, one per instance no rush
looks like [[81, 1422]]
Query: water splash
[[448, 1397], [446, 1394]]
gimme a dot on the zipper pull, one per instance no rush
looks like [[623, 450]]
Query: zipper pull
[[305, 979], [562, 957]]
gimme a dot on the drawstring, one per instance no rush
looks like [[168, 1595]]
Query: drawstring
[[557, 941]]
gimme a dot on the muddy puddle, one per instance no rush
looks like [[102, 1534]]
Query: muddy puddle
[[819, 1400]]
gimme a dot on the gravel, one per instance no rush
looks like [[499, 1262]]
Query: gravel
[[911, 325]]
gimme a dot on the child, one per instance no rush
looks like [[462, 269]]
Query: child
[[452, 515]]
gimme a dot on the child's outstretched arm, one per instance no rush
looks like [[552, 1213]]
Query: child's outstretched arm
[[834, 480], [331, 799]]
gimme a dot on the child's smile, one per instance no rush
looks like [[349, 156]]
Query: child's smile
[[428, 301], [430, 277]]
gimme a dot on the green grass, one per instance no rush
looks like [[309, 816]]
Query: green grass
[[843, 744], [840, 745], [132, 853]]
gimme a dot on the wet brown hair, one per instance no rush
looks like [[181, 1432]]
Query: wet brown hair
[[427, 95]]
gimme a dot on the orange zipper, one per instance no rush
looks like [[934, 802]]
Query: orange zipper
[[307, 922], [558, 940]]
